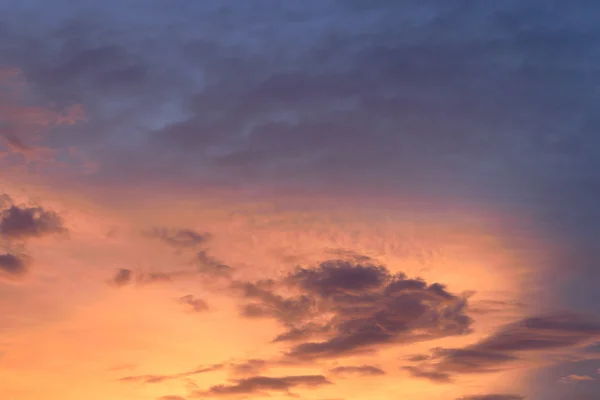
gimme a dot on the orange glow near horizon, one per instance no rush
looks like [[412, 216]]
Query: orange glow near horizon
[[74, 335]]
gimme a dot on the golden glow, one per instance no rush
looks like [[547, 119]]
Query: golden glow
[[67, 335]]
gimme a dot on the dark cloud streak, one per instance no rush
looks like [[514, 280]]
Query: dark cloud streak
[[148, 379], [264, 384], [361, 370], [511, 344]]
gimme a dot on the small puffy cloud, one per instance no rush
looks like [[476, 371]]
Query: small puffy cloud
[[13, 266], [26, 222], [197, 305], [264, 384], [575, 378], [209, 266], [362, 370], [179, 238], [122, 277]]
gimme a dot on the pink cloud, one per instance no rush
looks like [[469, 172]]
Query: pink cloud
[[576, 378]]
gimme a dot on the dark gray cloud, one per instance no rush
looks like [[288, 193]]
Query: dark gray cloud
[[27, 222], [162, 378], [264, 384], [13, 266], [180, 238], [493, 397], [344, 307], [510, 344], [197, 305], [361, 370]]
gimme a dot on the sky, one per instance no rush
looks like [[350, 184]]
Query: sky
[[317, 199]]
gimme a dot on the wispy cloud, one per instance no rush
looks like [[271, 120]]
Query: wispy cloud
[[493, 397], [264, 384], [162, 378], [196, 304], [575, 378], [360, 370], [179, 238], [513, 343]]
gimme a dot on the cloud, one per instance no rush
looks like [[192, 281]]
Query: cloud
[[25, 124], [552, 331], [126, 276], [171, 398], [340, 277], [575, 378], [493, 397], [180, 238], [122, 277], [155, 277], [13, 266], [5, 201], [206, 266], [264, 384], [209, 266], [362, 370], [17, 146], [512, 343], [432, 374], [197, 305], [355, 103], [162, 378], [27, 222], [353, 307], [249, 367]]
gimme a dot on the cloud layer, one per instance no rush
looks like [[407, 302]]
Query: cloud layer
[[515, 342]]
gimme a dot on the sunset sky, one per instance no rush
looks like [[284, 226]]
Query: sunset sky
[[315, 199]]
